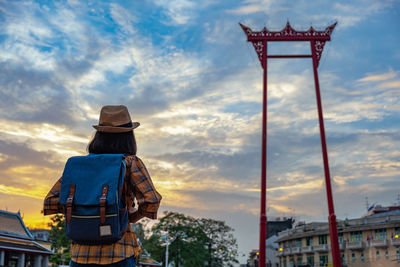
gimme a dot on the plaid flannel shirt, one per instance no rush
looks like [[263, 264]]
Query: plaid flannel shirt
[[141, 187]]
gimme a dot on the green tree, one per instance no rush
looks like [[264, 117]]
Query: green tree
[[187, 247], [221, 244], [59, 241], [194, 242]]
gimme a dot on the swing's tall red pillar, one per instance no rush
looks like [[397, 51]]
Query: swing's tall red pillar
[[317, 41]]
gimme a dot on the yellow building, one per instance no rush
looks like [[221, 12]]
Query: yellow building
[[372, 240]]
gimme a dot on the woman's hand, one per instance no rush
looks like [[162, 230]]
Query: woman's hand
[[134, 215]]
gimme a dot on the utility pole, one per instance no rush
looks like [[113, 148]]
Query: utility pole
[[166, 250], [169, 241]]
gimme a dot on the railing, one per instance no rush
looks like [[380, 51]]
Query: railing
[[378, 243], [395, 241], [287, 251], [355, 245], [323, 247], [296, 250], [280, 253], [307, 249]]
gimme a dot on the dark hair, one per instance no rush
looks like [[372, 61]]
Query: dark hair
[[113, 143]]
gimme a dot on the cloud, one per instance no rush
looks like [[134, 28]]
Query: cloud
[[32, 96], [179, 12], [124, 18], [252, 6], [379, 77]]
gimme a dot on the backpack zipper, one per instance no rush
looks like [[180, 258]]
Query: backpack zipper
[[93, 216]]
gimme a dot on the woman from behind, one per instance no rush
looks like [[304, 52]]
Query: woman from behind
[[115, 135]]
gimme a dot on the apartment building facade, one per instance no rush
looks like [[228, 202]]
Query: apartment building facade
[[372, 240]]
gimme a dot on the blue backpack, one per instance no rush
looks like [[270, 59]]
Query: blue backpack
[[92, 195]]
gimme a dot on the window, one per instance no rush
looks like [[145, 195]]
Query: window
[[353, 257], [298, 243], [309, 241], [397, 232], [299, 261], [362, 256], [398, 254], [380, 234], [322, 239], [310, 260], [386, 254], [342, 258], [377, 254], [355, 236], [323, 259], [340, 238]]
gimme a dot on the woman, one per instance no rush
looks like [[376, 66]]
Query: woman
[[115, 136]]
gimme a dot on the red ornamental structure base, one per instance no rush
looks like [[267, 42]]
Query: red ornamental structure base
[[317, 41]]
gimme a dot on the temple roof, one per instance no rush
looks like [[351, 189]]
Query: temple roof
[[14, 235], [11, 224]]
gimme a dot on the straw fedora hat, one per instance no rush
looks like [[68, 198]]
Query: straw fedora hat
[[115, 119]]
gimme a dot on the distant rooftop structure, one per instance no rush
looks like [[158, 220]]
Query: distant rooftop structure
[[274, 227], [376, 208], [373, 221], [17, 245]]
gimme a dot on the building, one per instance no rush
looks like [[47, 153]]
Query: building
[[42, 237], [273, 228], [17, 245], [278, 225], [40, 234], [372, 240]]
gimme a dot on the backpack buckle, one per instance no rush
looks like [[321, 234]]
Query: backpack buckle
[[103, 201]]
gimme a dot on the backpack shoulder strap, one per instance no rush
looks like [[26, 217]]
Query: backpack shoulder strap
[[128, 189]]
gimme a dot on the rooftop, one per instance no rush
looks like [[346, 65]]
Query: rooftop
[[375, 221], [15, 236], [11, 224]]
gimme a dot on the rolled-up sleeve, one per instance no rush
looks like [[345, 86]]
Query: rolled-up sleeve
[[51, 204], [147, 197]]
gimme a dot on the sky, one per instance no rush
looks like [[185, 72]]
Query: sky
[[186, 72]]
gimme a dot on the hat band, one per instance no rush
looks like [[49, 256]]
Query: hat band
[[126, 125]]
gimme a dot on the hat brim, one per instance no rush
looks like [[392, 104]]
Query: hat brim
[[114, 129]]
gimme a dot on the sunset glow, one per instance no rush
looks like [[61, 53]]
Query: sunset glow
[[186, 72]]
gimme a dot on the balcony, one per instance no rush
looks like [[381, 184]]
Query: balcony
[[395, 241], [378, 243], [279, 253], [355, 245], [287, 251], [296, 250], [320, 248], [307, 249]]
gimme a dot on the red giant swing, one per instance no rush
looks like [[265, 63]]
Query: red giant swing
[[317, 41]]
